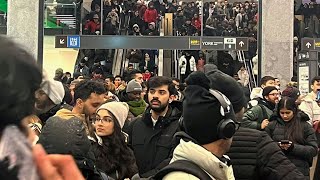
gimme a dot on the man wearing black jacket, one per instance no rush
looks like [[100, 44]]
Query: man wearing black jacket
[[254, 155], [151, 136]]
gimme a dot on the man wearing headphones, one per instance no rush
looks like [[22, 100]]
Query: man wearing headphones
[[254, 155], [208, 120]]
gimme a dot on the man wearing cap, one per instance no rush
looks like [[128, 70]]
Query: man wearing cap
[[48, 99], [257, 117], [265, 160], [151, 135], [132, 96], [203, 121]]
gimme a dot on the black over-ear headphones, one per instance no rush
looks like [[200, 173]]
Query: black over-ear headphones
[[226, 127]]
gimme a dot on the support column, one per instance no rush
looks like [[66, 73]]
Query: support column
[[277, 39], [25, 25]]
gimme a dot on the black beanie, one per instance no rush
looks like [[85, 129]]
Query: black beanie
[[267, 90], [201, 110], [228, 86]]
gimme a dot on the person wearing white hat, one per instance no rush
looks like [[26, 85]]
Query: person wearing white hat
[[112, 154], [49, 99]]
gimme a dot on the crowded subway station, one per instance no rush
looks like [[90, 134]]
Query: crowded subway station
[[159, 89]]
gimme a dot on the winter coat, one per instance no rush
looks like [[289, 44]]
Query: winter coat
[[135, 57], [302, 154], [183, 64], [310, 107], [65, 133], [207, 161], [151, 15], [92, 27], [255, 156], [254, 116], [152, 145]]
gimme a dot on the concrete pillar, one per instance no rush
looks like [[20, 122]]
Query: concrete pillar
[[23, 25], [277, 39]]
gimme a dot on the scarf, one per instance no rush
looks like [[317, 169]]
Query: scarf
[[137, 107]]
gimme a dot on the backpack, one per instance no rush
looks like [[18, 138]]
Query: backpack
[[184, 166]]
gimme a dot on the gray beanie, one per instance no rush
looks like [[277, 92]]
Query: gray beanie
[[133, 86]]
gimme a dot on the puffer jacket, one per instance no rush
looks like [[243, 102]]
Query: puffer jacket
[[302, 154], [152, 145], [254, 116], [207, 161], [65, 133], [255, 156], [183, 64]]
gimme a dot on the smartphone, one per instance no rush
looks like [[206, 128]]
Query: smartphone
[[16, 151], [285, 142]]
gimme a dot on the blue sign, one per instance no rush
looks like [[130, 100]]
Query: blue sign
[[73, 42]]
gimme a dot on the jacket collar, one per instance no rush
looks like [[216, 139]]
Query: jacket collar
[[215, 167], [172, 114]]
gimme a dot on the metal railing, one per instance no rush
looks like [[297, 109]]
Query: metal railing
[[60, 15]]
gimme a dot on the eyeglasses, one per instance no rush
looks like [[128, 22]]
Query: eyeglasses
[[105, 119]]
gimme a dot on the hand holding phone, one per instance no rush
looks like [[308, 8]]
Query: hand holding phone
[[285, 145]]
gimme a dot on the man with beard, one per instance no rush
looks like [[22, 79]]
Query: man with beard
[[257, 117], [48, 99], [150, 136], [67, 131]]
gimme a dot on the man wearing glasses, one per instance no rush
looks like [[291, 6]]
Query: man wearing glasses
[[257, 117]]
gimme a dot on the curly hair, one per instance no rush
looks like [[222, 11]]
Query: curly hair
[[114, 155]]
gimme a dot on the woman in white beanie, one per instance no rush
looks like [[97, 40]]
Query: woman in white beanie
[[113, 156]]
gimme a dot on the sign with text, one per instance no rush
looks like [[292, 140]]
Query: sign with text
[[310, 44], [152, 42]]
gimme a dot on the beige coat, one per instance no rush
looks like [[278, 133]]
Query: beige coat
[[203, 158], [310, 107]]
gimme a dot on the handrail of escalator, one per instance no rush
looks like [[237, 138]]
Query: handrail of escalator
[[124, 52]]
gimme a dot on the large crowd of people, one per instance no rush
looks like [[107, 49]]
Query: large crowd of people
[[92, 126]]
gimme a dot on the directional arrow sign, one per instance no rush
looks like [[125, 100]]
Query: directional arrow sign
[[60, 41], [307, 44], [242, 44]]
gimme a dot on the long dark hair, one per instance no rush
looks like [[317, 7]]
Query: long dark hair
[[114, 154], [294, 129]]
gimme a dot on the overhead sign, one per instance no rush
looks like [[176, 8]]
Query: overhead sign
[[310, 44], [152, 42], [61, 42], [73, 42]]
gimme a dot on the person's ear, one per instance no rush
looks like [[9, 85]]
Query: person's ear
[[171, 98]]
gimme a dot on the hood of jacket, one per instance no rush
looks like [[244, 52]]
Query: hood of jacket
[[66, 114], [123, 96], [204, 159]]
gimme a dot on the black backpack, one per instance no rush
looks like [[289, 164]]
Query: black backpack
[[184, 166]]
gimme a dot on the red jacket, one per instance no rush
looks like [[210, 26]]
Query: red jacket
[[151, 15], [196, 23], [92, 27]]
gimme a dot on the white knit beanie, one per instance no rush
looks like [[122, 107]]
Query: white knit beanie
[[54, 90], [120, 111]]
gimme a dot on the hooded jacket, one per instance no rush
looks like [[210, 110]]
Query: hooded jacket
[[190, 151], [302, 154], [152, 145]]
